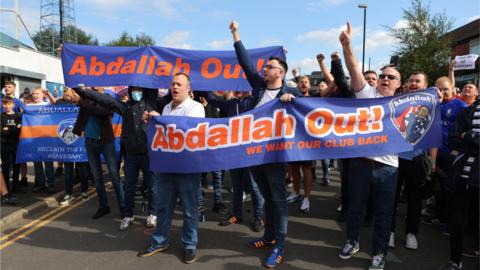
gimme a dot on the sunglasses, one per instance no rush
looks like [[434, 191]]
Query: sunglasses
[[388, 76], [272, 67]]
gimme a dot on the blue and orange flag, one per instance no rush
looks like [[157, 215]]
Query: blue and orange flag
[[47, 135]]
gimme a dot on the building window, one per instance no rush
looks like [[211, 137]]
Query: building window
[[475, 46]]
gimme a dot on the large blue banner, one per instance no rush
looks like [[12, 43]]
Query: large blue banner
[[153, 66], [305, 129], [47, 135]]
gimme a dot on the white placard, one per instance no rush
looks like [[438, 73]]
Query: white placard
[[465, 61]]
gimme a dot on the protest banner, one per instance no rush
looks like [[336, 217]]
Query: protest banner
[[306, 129]]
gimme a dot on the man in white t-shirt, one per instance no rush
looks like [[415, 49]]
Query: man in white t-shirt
[[377, 174], [172, 186]]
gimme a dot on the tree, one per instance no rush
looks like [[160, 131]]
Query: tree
[[125, 40], [45, 38], [424, 45]]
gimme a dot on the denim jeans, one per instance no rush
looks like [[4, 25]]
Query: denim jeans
[[133, 165], [381, 181], [242, 180], [170, 187], [217, 178], [69, 175], [325, 167], [94, 150], [40, 174], [271, 182]]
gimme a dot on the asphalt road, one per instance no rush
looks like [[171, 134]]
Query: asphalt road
[[67, 238]]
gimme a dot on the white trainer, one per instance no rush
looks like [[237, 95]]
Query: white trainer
[[126, 222], [305, 208], [151, 221], [391, 241], [411, 242]]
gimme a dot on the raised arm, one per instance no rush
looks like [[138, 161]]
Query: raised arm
[[103, 99], [326, 73], [357, 80], [343, 89], [244, 59], [451, 72]]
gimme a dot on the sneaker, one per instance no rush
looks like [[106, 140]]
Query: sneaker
[[9, 199], [305, 208], [470, 252], [67, 200], [391, 241], [378, 262], [85, 196], [37, 189], [220, 208], [411, 242], [151, 221], [150, 250], [258, 225], [339, 208], [348, 250], [247, 197], [126, 222], [202, 217], [101, 212], [230, 221], [189, 255], [260, 243], [294, 197], [451, 266], [50, 190], [275, 258], [325, 182]]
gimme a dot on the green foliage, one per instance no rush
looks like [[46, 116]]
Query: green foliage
[[45, 38], [125, 40], [423, 43]]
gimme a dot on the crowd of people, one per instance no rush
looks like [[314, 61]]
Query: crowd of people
[[439, 185]]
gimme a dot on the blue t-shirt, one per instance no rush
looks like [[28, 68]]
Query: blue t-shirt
[[17, 105], [93, 127], [448, 111]]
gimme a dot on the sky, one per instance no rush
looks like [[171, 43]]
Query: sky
[[305, 28]]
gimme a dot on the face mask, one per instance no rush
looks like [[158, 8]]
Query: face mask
[[137, 95]]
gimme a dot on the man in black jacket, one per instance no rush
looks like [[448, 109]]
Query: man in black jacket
[[270, 177], [94, 122], [134, 140]]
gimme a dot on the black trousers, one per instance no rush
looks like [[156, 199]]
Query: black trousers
[[8, 155], [464, 205], [408, 174]]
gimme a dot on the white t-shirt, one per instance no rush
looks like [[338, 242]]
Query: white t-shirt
[[267, 96], [39, 104], [188, 107], [371, 92]]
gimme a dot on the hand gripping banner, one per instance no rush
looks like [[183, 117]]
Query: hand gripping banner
[[47, 135], [305, 129], [153, 67]]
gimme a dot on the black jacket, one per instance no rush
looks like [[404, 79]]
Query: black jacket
[[134, 130], [89, 107], [467, 146]]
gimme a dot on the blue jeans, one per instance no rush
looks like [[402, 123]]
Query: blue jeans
[[271, 182], [133, 165], [381, 181], [217, 184], [69, 175], [170, 186], [94, 150], [40, 174], [242, 180], [325, 168]]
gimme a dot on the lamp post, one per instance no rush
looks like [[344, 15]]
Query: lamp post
[[364, 6]]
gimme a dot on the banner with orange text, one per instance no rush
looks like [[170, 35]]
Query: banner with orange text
[[305, 129]]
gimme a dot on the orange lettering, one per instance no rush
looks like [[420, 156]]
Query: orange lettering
[[96, 68], [217, 137], [129, 67], [179, 65], [79, 66], [159, 141], [163, 68], [262, 130], [175, 138], [217, 65], [196, 137], [114, 67], [231, 75]]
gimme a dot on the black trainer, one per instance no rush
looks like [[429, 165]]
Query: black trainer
[[189, 255], [220, 208], [101, 212]]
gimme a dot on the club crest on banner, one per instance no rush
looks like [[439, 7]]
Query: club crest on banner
[[412, 115], [65, 131]]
